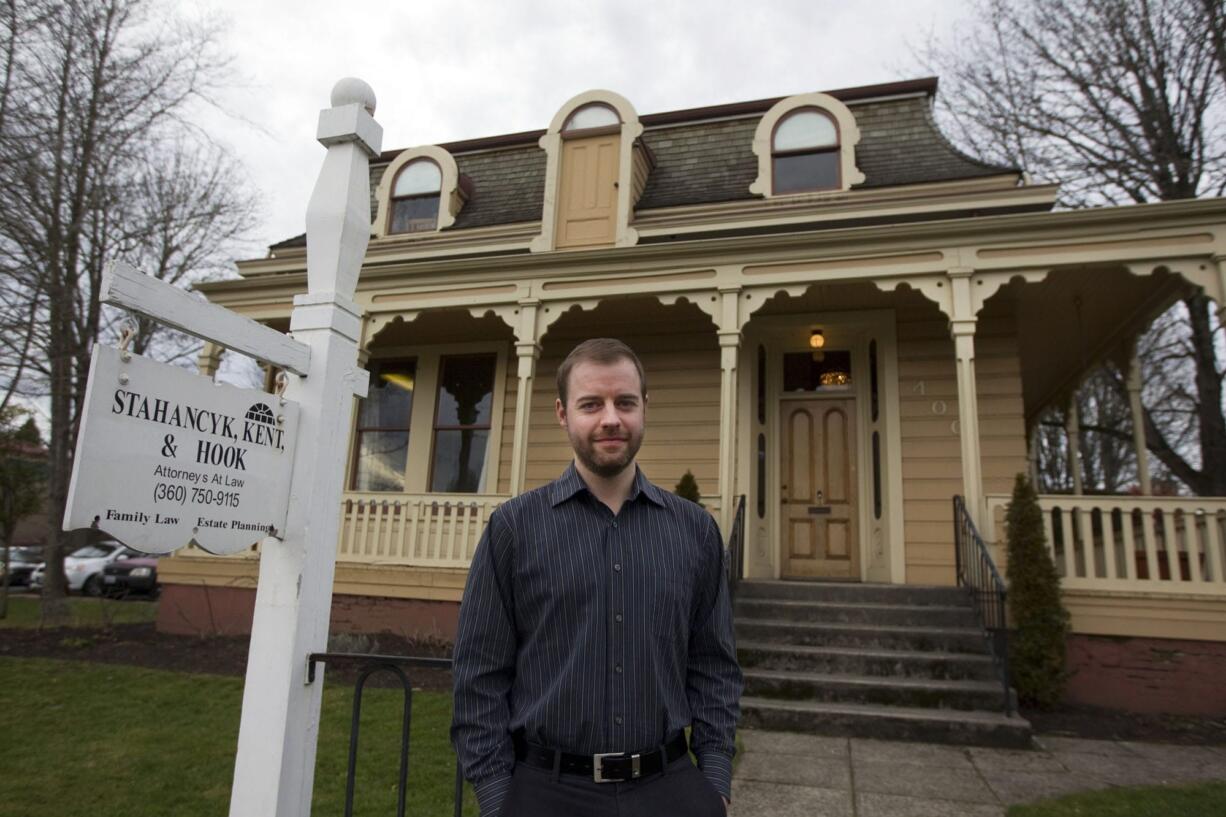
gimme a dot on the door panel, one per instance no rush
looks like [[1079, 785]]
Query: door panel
[[587, 192], [818, 489]]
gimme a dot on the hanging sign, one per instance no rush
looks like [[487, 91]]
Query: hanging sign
[[166, 458]]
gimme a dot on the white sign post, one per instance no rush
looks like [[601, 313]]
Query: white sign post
[[275, 763]]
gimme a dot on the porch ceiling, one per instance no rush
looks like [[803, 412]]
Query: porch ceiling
[[1076, 319]]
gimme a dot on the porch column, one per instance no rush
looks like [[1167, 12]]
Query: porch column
[[527, 351], [209, 359], [1133, 384], [963, 332], [1072, 427], [729, 352]]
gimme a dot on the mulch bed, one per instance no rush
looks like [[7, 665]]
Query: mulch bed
[[142, 645]]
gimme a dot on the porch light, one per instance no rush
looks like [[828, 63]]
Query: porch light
[[816, 339]]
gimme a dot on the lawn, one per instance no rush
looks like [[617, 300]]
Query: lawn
[[1142, 801], [24, 611], [110, 740]]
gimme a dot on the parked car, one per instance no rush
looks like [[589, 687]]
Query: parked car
[[22, 562], [83, 567], [137, 574]]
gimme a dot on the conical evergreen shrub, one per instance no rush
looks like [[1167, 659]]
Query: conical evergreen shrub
[[1040, 624], [687, 488]]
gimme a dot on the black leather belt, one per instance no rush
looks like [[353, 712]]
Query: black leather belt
[[606, 767]]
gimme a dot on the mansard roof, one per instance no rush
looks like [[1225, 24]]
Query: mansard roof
[[705, 156]]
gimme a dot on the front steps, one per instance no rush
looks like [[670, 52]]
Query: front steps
[[869, 660]]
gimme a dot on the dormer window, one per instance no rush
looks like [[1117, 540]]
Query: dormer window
[[415, 198], [805, 152], [590, 117], [806, 144]]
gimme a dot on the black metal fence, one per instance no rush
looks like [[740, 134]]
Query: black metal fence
[[368, 665], [978, 574]]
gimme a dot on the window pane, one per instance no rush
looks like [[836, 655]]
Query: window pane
[[421, 176], [805, 129], [459, 460], [466, 390], [380, 460], [415, 215], [817, 371], [807, 171], [389, 402], [592, 116]]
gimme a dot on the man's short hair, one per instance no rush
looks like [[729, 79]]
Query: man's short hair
[[604, 351]]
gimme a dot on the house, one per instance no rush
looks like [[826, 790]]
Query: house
[[845, 323]]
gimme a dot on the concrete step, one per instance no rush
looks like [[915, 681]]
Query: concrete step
[[853, 661], [874, 689], [900, 615], [867, 636], [853, 593], [886, 722]]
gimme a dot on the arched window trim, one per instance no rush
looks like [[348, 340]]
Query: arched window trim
[[551, 143], [847, 132], [451, 194]]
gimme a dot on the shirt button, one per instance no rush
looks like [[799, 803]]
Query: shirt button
[[618, 669], [618, 720], [618, 618], [618, 568], [615, 523]]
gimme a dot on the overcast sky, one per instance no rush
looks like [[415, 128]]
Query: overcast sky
[[460, 70]]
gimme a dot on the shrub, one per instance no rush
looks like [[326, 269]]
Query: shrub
[[687, 488], [1040, 622]]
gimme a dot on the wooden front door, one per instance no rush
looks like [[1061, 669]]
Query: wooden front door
[[818, 489], [587, 192]]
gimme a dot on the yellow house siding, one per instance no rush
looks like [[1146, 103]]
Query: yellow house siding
[[931, 453]]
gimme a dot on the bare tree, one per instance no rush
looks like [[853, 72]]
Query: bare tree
[[1121, 101], [97, 160]]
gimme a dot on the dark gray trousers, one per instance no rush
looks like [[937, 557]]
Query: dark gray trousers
[[680, 791]]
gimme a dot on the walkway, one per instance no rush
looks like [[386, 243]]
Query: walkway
[[788, 775]]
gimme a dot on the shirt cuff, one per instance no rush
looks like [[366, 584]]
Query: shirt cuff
[[717, 768], [490, 794]]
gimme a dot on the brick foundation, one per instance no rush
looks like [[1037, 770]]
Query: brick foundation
[[1152, 675], [199, 610]]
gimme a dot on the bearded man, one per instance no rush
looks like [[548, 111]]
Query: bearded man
[[596, 627]]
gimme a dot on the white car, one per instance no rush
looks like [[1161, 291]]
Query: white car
[[83, 567]]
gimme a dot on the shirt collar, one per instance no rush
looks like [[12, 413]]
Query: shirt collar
[[570, 483]]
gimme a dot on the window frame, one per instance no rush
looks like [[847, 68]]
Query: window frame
[[393, 199], [847, 131], [435, 427], [358, 430], [451, 194], [836, 149]]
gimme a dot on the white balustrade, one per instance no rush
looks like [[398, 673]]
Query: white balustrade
[[427, 530], [1127, 543]]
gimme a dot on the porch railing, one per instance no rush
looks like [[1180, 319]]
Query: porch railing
[[430, 530], [978, 574], [734, 554], [1129, 543]]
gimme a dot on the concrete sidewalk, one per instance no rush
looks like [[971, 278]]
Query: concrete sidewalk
[[784, 775]]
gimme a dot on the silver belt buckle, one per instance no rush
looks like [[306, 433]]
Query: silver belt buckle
[[635, 770]]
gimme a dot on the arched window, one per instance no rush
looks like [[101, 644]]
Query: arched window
[[589, 117], [415, 197], [805, 152]]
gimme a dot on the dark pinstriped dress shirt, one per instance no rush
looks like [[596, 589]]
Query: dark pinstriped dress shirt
[[594, 633]]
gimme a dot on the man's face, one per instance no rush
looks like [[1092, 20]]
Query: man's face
[[604, 415]]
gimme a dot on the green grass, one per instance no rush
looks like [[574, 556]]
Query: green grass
[[1143, 801], [24, 611], [110, 740]]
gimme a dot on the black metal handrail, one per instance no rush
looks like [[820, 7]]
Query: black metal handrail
[[368, 665], [978, 574], [734, 554]]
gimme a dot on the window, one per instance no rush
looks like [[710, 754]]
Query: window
[[462, 423], [805, 152], [415, 198], [592, 116], [817, 371], [382, 438]]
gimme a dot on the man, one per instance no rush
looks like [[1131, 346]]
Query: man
[[595, 627]]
